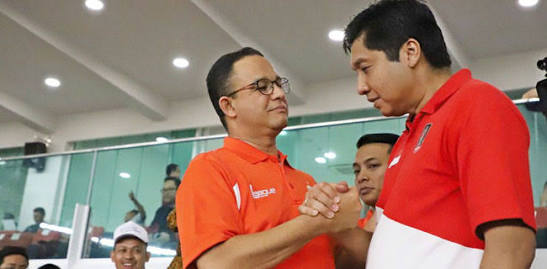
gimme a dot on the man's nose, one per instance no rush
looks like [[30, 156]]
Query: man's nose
[[278, 92], [361, 177], [362, 86]]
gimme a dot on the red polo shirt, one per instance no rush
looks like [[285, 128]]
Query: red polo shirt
[[238, 190], [461, 162]]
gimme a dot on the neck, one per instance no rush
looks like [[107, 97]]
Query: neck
[[265, 143], [429, 81], [262, 140]]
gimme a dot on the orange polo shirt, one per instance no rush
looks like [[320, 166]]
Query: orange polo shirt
[[362, 222], [238, 190]]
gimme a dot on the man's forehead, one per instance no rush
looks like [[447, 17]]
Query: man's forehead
[[251, 68], [361, 54], [374, 149], [129, 242]]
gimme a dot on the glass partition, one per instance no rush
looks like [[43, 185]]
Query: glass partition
[[128, 184], [537, 125], [105, 178], [327, 152], [35, 204]]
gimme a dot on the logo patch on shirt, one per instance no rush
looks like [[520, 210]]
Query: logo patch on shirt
[[394, 161], [422, 137], [261, 193]]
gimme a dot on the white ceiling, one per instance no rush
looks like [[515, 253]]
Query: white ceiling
[[6, 115], [489, 28], [121, 57]]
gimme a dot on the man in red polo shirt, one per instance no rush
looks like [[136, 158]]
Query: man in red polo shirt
[[238, 205], [457, 190]]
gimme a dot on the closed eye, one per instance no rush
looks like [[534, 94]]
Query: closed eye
[[372, 166]]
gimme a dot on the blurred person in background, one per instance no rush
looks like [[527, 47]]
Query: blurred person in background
[[13, 258], [38, 214]]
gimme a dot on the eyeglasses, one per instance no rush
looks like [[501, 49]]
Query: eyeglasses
[[167, 189], [265, 86]]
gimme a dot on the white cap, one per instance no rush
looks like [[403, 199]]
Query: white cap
[[130, 229]]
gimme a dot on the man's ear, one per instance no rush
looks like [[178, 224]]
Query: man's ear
[[410, 52], [226, 104], [112, 256], [147, 256]]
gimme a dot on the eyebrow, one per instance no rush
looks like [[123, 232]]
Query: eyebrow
[[266, 77], [366, 161], [354, 65]]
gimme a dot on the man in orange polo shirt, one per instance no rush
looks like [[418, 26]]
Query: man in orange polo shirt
[[238, 205]]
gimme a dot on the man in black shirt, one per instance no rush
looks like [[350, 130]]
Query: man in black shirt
[[161, 234], [39, 214]]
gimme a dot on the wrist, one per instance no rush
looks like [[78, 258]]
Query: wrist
[[317, 225]]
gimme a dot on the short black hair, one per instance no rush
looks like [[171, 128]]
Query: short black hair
[[49, 266], [9, 250], [386, 138], [219, 74], [388, 24], [41, 210], [170, 168], [176, 180]]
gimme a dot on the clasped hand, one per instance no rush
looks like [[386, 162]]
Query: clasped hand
[[337, 205]]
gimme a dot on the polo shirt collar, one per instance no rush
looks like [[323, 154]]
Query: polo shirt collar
[[451, 86], [250, 153]]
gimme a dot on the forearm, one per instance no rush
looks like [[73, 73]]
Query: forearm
[[355, 242], [141, 210], [516, 259], [264, 249], [508, 247]]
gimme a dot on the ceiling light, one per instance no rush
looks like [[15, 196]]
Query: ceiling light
[[528, 3], [94, 5], [320, 160], [181, 62], [330, 155], [161, 139], [336, 35], [52, 82], [125, 175]]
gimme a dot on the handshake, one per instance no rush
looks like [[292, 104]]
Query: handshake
[[333, 207]]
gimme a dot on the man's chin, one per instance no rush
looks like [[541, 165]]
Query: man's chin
[[391, 113], [279, 125]]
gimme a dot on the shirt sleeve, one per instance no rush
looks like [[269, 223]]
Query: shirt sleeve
[[207, 212], [492, 158]]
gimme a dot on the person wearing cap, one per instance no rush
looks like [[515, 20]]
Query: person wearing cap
[[370, 164], [238, 205], [130, 243], [13, 258]]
